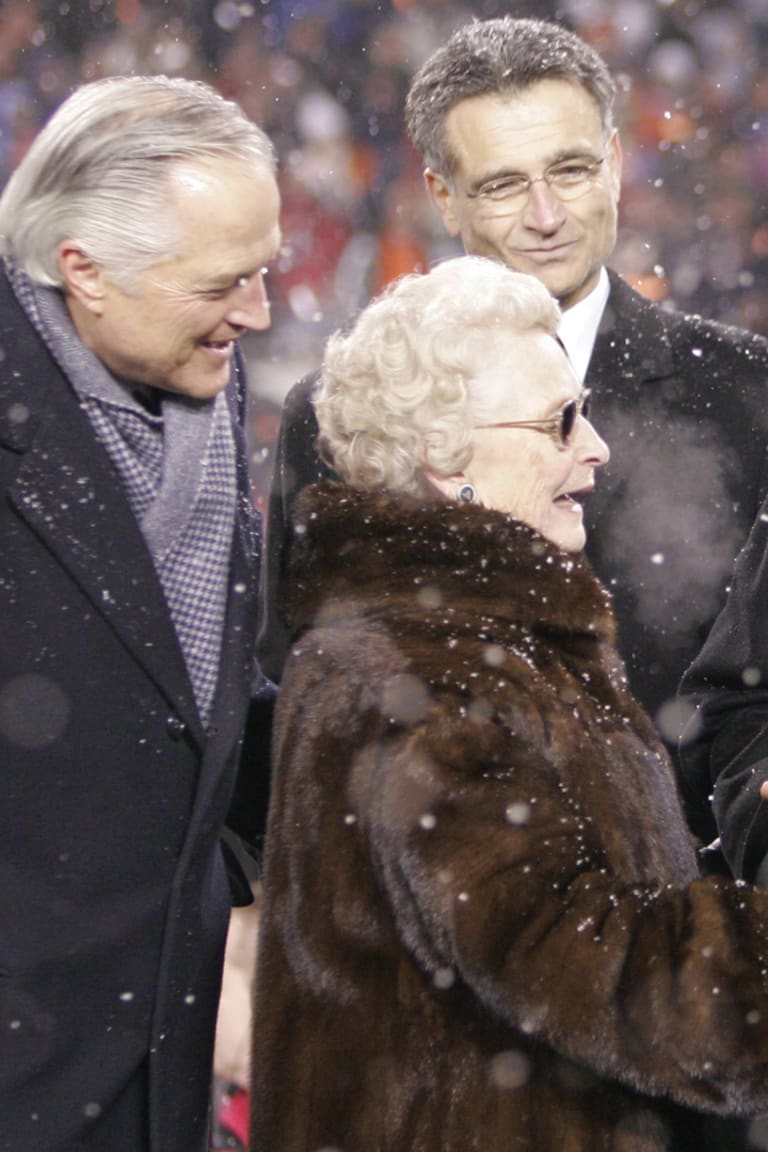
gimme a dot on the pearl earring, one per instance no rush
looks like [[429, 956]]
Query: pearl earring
[[467, 494]]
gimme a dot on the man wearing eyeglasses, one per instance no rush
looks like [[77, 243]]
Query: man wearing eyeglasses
[[514, 121]]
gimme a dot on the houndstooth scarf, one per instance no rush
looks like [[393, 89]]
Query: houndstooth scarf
[[178, 469]]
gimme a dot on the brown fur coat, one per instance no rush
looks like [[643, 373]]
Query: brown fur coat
[[482, 929]]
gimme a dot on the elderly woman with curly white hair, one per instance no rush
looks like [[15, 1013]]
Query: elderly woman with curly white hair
[[483, 929]]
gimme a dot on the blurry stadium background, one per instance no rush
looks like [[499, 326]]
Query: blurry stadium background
[[326, 79]]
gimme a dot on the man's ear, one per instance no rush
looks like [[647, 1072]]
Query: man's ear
[[82, 278], [442, 197], [615, 162]]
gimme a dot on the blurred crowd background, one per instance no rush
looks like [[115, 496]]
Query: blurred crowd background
[[327, 78]]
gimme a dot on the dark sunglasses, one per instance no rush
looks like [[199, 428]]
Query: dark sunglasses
[[560, 426]]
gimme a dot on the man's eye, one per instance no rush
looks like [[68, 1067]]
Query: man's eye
[[498, 189], [241, 282], [226, 289], [577, 170]]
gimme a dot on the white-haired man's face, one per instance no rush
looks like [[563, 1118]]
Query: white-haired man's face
[[559, 221], [176, 329]]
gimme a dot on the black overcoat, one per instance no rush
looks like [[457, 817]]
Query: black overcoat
[[113, 894]]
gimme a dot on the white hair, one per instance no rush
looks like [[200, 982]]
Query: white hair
[[99, 173], [397, 394]]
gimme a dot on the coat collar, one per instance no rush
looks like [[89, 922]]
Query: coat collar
[[66, 490], [402, 557], [632, 343]]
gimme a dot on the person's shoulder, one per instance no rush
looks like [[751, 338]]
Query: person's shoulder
[[27, 370], [298, 399], [298, 422], [718, 338], [339, 671], [690, 331], [14, 322]]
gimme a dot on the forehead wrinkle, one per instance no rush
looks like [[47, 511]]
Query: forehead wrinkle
[[525, 123]]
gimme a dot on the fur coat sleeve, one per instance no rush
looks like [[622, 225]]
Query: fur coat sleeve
[[497, 876]]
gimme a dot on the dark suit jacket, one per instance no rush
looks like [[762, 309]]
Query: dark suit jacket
[[114, 897], [682, 404], [724, 753]]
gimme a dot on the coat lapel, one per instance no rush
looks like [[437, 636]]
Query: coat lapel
[[238, 648], [68, 493], [632, 345]]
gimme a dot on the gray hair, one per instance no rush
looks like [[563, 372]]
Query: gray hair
[[99, 173], [397, 394], [506, 55]]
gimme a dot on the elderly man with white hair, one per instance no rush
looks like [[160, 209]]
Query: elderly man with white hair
[[134, 238]]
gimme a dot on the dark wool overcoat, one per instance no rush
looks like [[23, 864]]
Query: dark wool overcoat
[[114, 899], [482, 930]]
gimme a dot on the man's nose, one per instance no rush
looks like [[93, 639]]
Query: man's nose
[[543, 212], [250, 306]]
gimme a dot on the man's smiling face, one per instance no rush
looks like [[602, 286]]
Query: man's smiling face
[[175, 329], [563, 243]]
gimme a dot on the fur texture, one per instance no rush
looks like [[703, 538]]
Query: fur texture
[[483, 930]]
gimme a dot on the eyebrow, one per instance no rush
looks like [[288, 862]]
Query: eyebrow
[[564, 403], [224, 279]]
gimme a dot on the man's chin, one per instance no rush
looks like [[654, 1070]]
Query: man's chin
[[200, 386], [569, 290]]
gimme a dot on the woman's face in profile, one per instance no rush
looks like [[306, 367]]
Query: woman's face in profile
[[535, 474]]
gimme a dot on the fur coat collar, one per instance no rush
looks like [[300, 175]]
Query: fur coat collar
[[452, 561]]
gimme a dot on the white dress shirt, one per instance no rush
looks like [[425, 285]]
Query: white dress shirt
[[579, 325]]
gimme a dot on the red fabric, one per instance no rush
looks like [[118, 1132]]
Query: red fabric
[[233, 1115]]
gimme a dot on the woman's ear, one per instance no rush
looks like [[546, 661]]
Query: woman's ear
[[82, 277], [445, 486]]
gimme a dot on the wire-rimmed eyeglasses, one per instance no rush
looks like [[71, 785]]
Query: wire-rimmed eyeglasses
[[558, 427], [567, 179]]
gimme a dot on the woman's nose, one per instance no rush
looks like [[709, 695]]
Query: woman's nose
[[594, 447]]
